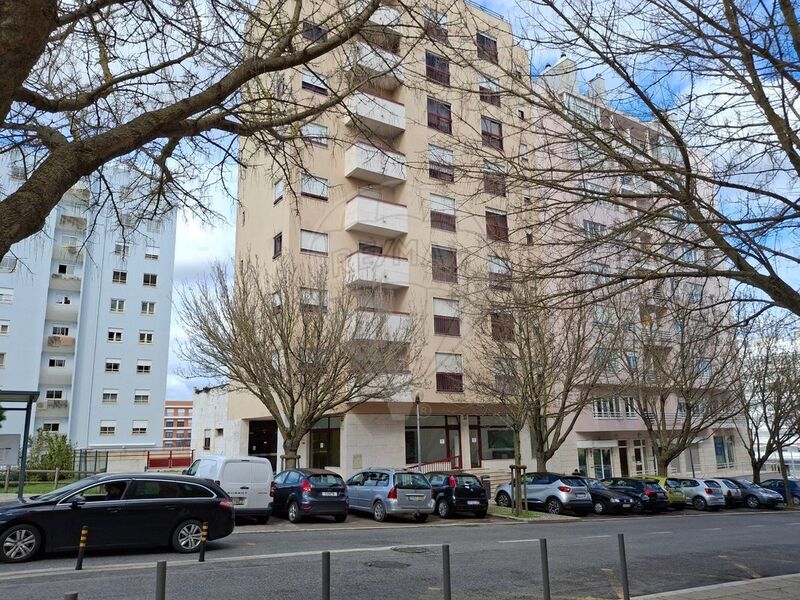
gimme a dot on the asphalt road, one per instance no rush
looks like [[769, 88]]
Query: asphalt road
[[490, 560]]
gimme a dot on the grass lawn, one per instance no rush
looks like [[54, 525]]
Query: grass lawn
[[37, 487], [508, 512]]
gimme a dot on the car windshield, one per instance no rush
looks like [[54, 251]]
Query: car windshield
[[573, 481], [325, 479], [467, 480], [745, 483], [411, 481], [594, 484], [673, 483], [712, 484], [64, 490], [652, 486]]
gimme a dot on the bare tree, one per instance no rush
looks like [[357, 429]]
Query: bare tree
[[678, 367], [304, 349], [167, 87], [770, 393]]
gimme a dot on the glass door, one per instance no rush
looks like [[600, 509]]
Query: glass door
[[602, 462]]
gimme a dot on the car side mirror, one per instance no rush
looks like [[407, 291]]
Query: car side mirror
[[77, 502], [185, 472]]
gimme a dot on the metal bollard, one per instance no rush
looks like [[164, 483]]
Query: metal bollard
[[326, 576], [82, 547], [623, 561], [446, 571], [71, 596], [545, 569], [203, 538], [161, 580]]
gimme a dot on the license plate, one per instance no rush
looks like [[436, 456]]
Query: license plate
[[580, 495], [473, 502], [238, 501], [330, 493], [416, 498]]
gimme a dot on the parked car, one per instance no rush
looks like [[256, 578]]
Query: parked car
[[671, 485], [776, 485], [551, 492], [756, 496], [605, 500], [122, 511], [386, 492], [298, 493], [646, 496], [246, 479], [703, 494], [731, 491], [458, 493]]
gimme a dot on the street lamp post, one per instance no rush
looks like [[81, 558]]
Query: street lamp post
[[419, 438]]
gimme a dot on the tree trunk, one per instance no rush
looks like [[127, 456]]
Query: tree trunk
[[541, 460], [662, 466], [756, 466], [518, 487], [290, 457], [787, 489]]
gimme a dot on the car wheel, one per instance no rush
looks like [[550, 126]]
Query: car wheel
[[599, 507], [293, 512], [339, 518], [187, 536], [752, 502], [699, 503], [637, 506], [796, 500], [379, 512], [553, 506], [480, 514], [420, 518], [503, 500], [443, 509], [19, 543]]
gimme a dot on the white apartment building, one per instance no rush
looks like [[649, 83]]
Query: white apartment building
[[85, 320]]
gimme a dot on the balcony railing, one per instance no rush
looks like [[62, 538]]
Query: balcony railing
[[450, 382], [381, 116], [375, 216], [377, 165], [368, 269], [381, 67]]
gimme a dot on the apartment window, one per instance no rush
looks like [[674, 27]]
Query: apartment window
[[703, 367], [277, 191], [315, 133], [6, 295], [314, 187], [119, 277], [122, 249], [489, 90], [492, 133], [311, 298], [437, 68], [152, 252], [277, 245], [2, 360], [112, 365], [694, 292], [496, 226], [145, 337], [314, 83], [529, 236], [108, 427], [487, 47], [449, 373], [444, 264], [443, 213], [8, 264], [490, 439], [523, 152], [110, 396], [54, 394], [63, 300], [149, 279], [141, 397], [148, 308], [494, 179], [155, 226], [114, 335], [117, 305], [139, 427], [143, 367], [206, 439], [593, 230], [723, 450], [439, 117], [606, 408], [5, 326], [56, 362], [499, 273], [502, 326], [51, 427], [313, 242], [60, 330], [435, 25], [65, 269], [314, 32], [170, 424], [446, 317], [521, 112], [630, 407], [440, 164]]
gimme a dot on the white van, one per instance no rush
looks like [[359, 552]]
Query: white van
[[246, 479]]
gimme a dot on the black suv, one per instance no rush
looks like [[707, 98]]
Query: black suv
[[647, 496], [456, 492]]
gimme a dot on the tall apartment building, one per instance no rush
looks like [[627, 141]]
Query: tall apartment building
[[382, 203], [177, 424], [85, 319]]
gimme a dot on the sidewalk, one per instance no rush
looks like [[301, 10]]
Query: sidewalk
[[782, 587]]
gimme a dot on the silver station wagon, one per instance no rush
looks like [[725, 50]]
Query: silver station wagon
[[385, 492]]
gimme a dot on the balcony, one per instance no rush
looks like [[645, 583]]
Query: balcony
[[53, 407], [366, 162], [55, 376], [366, 269], [373, 325], [382, 117], [376, 217], [60, 343], [400, 381], [71, 222], [68, 253], [63, 281], [382, 28], [381, 67], [63, 312]]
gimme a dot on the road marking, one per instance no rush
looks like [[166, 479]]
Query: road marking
[[755, 526], [752, 573], [595, 537], [794, 523], [518, 541], [660, 532], [712, 529]]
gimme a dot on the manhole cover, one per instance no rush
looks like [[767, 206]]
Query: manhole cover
[[411, 549], [388, 564]]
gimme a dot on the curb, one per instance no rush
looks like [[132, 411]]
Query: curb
[[713, 587]]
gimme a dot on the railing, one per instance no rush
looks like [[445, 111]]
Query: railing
[[445, 464], [488, 11], [169, 459]]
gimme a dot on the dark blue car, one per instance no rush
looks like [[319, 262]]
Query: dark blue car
[[776, 485], [298, 493]]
